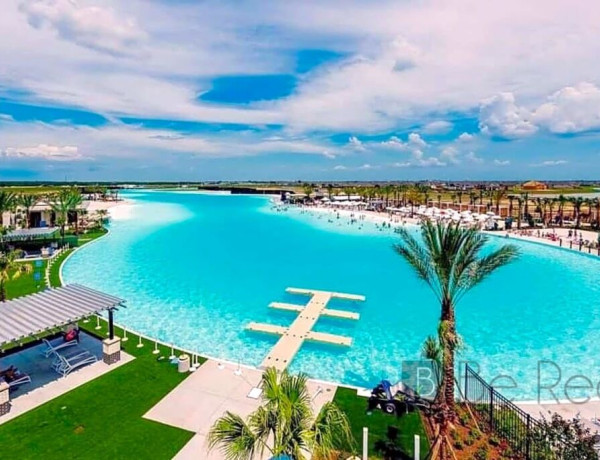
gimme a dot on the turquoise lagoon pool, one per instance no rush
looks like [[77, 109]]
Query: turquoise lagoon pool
[[196, 268]]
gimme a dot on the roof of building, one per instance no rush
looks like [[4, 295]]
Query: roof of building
[[49, 309], [22, 234]]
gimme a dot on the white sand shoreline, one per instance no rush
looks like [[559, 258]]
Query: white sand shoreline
[[557, 237]]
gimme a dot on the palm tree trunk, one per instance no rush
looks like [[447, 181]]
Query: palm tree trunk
[[448, 340], [2, 291]]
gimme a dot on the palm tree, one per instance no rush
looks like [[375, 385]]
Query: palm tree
[[432, 351], [577, 202], [519, 209], [562, 200], [498, 196], [284, 425], [8, 201], [450, 261], [11, 269], [64, 202], [27, 201]]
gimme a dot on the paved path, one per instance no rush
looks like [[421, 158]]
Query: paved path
[[197, 402]]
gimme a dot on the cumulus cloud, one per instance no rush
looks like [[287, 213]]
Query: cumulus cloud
[[44, 152], [570, 110], [355, 143], [501, 116], [437, 127], [473, 158], [339, 168], [465, 137], [450, 154], [501, 162], [95, 27]]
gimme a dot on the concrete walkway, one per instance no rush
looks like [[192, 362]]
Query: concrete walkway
[[204, 396]]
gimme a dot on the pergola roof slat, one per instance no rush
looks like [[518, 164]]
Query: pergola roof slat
[[52, 308]]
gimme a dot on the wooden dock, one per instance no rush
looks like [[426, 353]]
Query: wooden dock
[[292, 337]]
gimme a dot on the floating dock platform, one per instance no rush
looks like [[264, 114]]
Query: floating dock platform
[[292, 337]]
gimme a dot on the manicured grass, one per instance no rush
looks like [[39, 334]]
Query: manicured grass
[[26, 282], [103, 418], [408, 425], [55, 268]]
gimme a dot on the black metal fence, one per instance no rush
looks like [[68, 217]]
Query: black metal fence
[[504, 418]]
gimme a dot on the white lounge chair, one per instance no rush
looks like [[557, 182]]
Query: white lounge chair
[[65, 364], [59, 344], [18, 379]]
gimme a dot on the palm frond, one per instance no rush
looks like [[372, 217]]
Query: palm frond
[[331, 432], [234, 437]]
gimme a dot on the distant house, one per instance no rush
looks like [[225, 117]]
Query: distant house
[[534, 185]]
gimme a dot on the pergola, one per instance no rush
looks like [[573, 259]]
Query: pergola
[[38, 313], [29, 234]]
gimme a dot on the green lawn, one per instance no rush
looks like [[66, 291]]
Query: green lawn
[[55, 268], [26, 283], [103, 418], [408, 425]]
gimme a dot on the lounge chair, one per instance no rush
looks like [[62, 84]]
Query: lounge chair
[[58, 344], [14, 378], [65, 364]]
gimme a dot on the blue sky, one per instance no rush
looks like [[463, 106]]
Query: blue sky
[[299, 90]]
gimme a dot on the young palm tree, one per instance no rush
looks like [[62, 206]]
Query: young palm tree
[[11, 269], [27, 201], [284, 425], [8, 201], [64, 202], [449, 260], [432, 351]]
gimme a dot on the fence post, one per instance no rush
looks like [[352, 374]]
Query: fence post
[[466, 381], [417, 449], [365, 452], [528, 439], [492, 408]]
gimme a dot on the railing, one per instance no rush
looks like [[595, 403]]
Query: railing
[[505, 419]]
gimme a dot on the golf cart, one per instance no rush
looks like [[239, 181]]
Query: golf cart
[[396, 399]]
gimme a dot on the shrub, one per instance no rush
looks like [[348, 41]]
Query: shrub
[[482, 453]]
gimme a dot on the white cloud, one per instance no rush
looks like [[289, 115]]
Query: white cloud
[[437, 127], [570, 110], [465, 137], [130, 141], [44, 152], [501, 162], [450, 154], [366, 166], [394, 76], [404, 164], [339, 168], [356, 144], [472, 157], [95, 27], [501, 116], [551, 163]]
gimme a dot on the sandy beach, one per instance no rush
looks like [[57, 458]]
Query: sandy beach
[[560, 237]]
